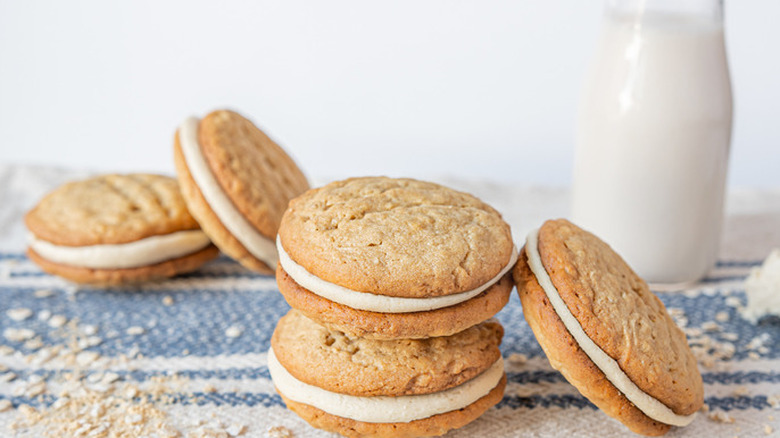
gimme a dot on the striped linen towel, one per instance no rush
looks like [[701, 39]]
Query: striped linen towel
[[189, 355]]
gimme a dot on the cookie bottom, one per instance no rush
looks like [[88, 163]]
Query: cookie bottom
[[209, 221], [431, 426], [566, 356], [376, 325], [113, 277]]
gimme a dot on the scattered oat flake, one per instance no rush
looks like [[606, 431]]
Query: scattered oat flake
[[19, 391], [7, 377], [18, 334], [758, 341], [236, 429], [722, 316], [733, 302], [675, 311], [19, 314], [35, 378], [43, 293], [209, 388], [135, 330], [35, 389], [44, 315], [768, 429], [131, 392], [94, 377], [134, 419], [33, 344], [167, 300], [89, 329], [720, 417], [85, 358], [710, 326], [27, 410], [57, 321], [234, 331], [91, 341], [6, 350], [693, 332], [517, 358], [280, 432], [5, 405]]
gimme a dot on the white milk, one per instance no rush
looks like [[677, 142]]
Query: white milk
[[653, 137]]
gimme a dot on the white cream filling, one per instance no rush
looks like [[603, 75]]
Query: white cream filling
[[143, 252], [385, 409], [646, 403], [374, 302], [258, 245]]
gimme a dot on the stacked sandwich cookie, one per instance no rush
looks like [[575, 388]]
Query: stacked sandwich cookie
[[116, 229], [605, 331], [237, 183], [392, 284]]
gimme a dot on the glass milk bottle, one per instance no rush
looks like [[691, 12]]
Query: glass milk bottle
[[653, 134]]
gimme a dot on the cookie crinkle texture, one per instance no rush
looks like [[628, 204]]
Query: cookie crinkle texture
[[620, 314], [237, 182], [396, 237]]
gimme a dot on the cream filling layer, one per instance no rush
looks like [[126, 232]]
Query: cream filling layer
[[143, 252], [373, 302], [258, 245], [385, 409], [611, 369]]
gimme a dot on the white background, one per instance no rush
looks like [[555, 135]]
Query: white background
[[472, 89]]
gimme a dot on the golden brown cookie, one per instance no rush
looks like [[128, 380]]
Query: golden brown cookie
[[617, 311], [112, 277], [356, 371], [396, 237], [412, 325], [237, 183], [432, 426], [393, 258], [365, 367], [115, 229]]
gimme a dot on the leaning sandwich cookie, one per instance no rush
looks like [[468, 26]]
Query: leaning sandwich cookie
[[385, 388], [605, 331], [115, 229], [237, 183], [394, 258]]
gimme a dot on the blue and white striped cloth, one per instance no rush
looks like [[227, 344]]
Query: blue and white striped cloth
[[191, 337]]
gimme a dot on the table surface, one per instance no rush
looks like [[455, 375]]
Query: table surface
[[204, 335]]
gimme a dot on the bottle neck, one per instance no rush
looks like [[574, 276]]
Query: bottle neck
[[636, 9]]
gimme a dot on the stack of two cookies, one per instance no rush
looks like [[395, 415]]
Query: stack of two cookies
[[393, 283]]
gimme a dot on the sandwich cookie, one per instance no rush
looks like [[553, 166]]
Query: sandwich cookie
[[385, 388], [115, 229], [237, 183], [605, 331], [394, 258]]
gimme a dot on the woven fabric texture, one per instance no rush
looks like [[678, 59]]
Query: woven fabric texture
[[212, 329]]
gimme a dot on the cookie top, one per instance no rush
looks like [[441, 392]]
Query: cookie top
[[110, 209], [620, 314], [336, 362], [253, 171], [396, 237]]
